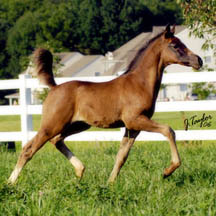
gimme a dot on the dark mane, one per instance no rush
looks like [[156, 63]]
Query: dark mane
[[140, 52]]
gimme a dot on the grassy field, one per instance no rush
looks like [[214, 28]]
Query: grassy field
[[48, 186]]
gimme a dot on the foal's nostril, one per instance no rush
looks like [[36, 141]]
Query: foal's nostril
[[200, 61]]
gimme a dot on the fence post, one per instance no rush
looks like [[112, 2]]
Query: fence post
[[25, 100]]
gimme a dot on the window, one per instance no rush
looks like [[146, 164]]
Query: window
[[207, 59], [183, 87]]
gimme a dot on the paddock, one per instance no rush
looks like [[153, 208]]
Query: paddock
[[49, 187]]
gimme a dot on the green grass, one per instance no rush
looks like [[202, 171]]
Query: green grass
[[10, 123], [48, 186]]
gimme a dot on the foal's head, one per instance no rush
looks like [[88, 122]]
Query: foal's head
[[175, 52]]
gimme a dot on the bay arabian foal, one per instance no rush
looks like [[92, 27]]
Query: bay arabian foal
[[127, 101]]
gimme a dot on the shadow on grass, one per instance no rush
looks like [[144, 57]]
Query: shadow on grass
[[7, 190], [196, 176]]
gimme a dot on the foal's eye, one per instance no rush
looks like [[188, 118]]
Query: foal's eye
[[175, 46]]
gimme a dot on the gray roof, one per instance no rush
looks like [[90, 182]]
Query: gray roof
[[81, 65], [66, 56], [77, 64]]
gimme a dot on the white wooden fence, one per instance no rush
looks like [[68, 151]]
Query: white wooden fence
[[25, 84]]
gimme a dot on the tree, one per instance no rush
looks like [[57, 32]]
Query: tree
[[200, 16], [122, 21], [89, 26], [21, 42], [104, 25], [164, 11], [203, 90], [49, 26], [58, 26], [10, 12]]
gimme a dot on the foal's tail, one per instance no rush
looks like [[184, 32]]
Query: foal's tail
[[43, 60]]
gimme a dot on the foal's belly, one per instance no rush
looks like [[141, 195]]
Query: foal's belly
[[102, 124], [102, 117], [103, 121]]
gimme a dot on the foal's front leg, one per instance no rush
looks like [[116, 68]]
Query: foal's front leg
[[125, 146], [145, 124]]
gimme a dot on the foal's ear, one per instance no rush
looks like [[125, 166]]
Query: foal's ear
[[173, 29], [169, 32]]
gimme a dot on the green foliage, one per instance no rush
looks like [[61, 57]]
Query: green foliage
[[21, 41], [10, 12], [105, 25], [166, 11], [123, 21], [203, 90], [200, 17]]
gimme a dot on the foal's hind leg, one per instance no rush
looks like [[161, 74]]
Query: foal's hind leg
[[58, 141], [125, 146], [27, 153]]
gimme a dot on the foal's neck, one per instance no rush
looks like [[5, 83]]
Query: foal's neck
[[151, 63], [150, 69]]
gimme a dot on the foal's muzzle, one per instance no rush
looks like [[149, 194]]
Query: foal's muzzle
[[196, 62], [200, 61]]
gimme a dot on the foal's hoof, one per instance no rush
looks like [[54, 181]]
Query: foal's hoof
[[110, 182], [13, 178], [10, 182], [168, 171], [165, 175], [79, 172]]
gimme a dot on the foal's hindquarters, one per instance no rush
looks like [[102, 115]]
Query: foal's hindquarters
[[56, 125]]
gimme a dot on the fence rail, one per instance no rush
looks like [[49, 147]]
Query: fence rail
[[25, 84]]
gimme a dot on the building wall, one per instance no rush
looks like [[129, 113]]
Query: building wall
[[174, 93]]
